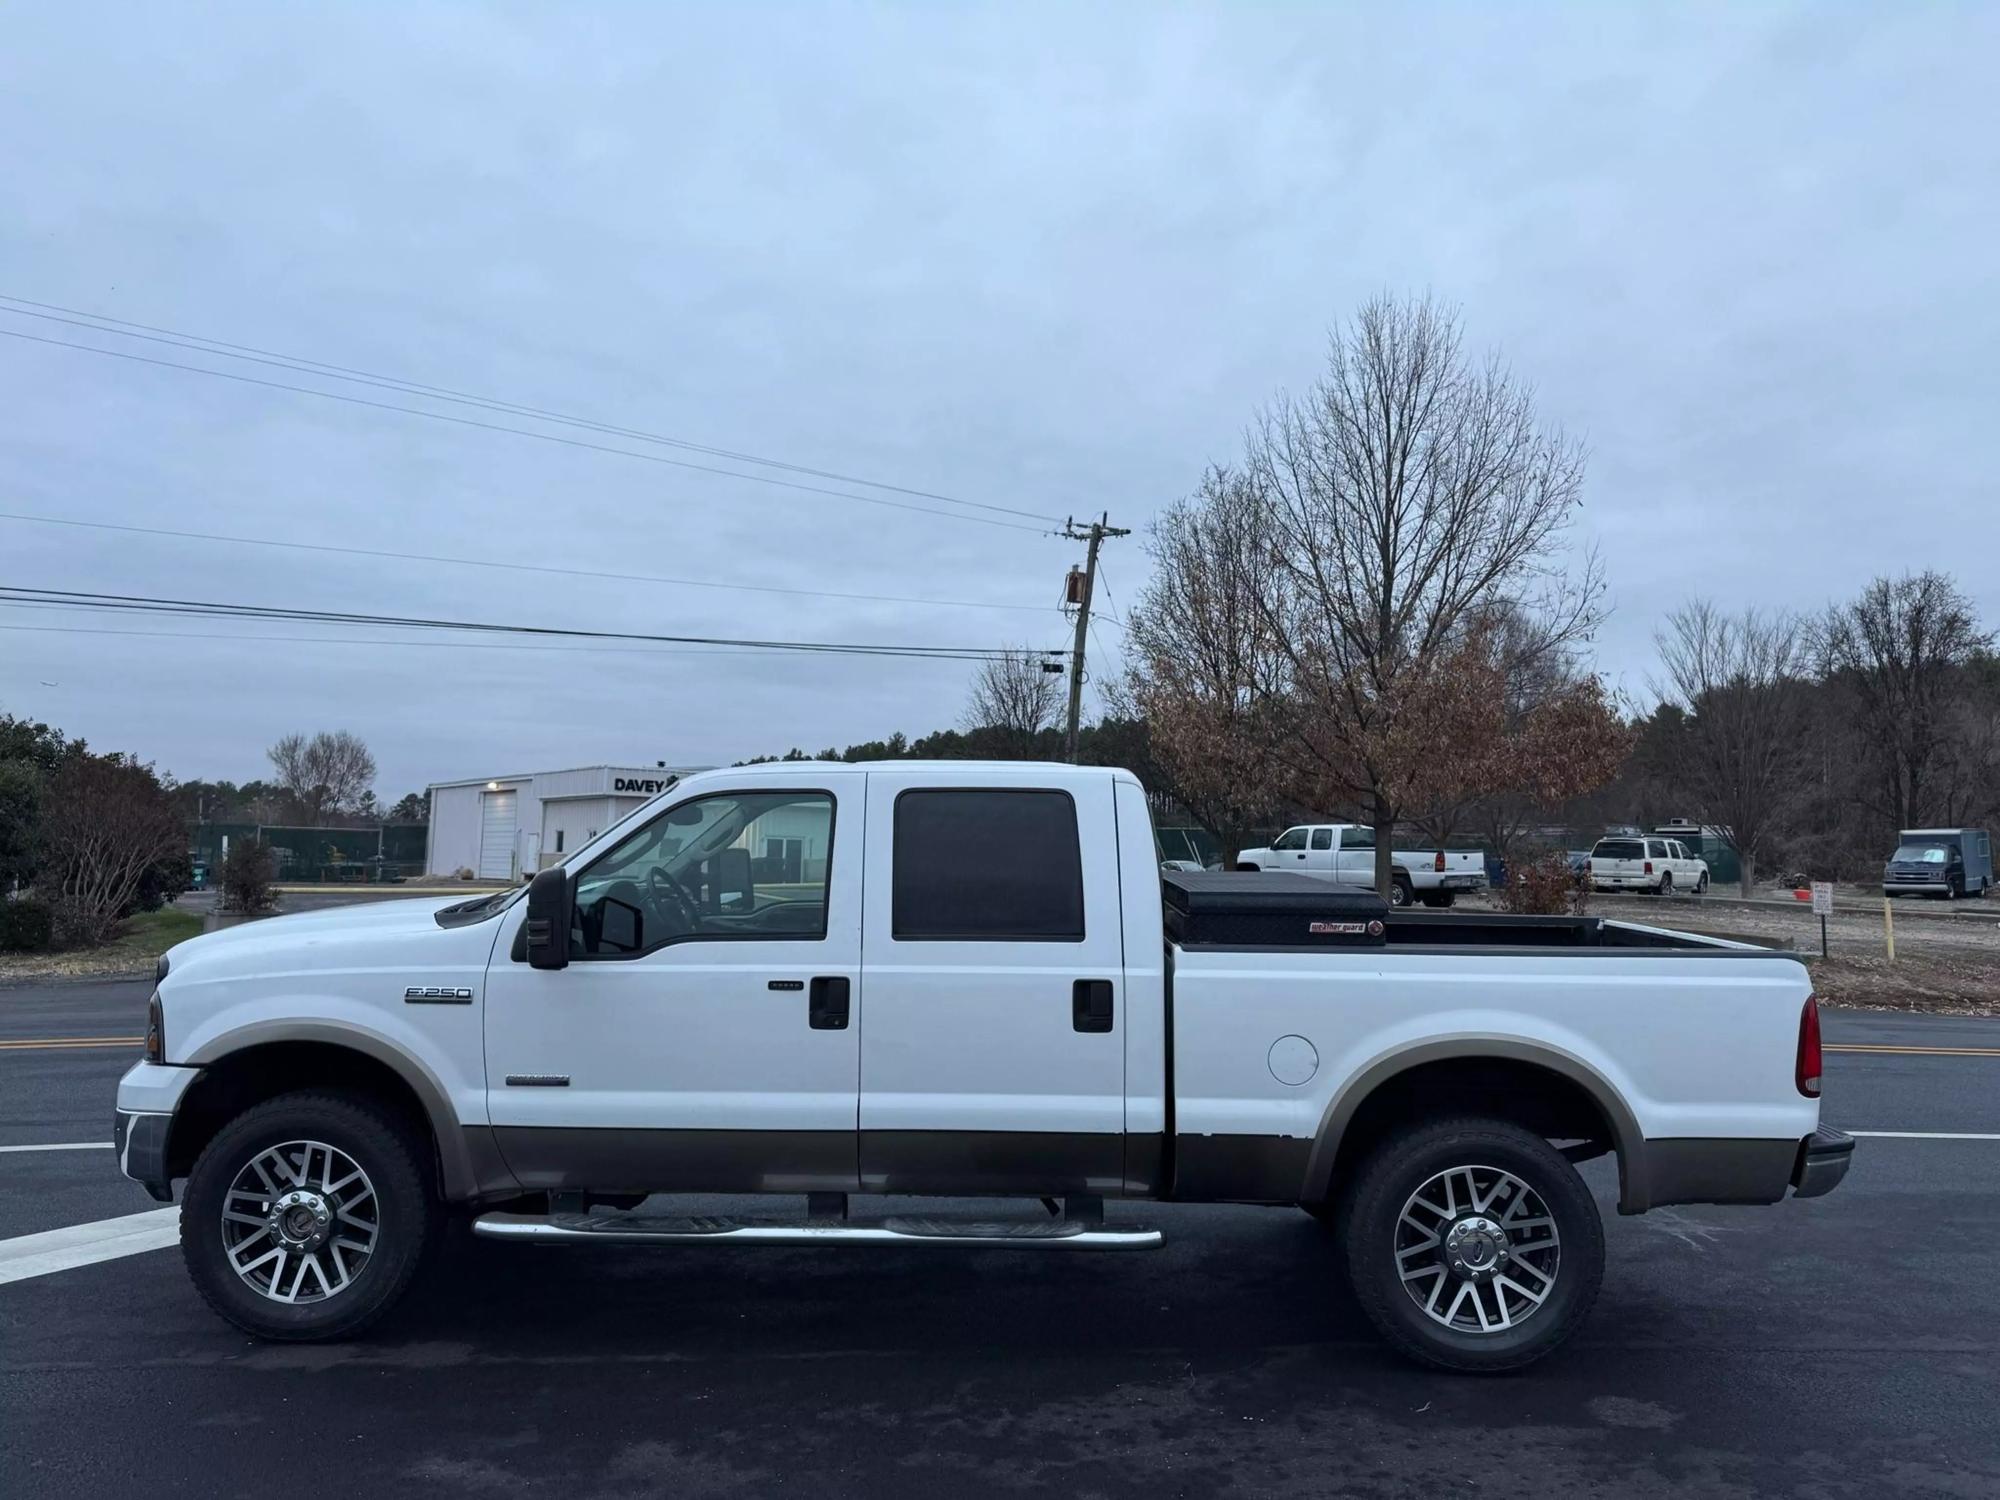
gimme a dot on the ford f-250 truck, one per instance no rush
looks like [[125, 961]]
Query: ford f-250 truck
[[959, 980]]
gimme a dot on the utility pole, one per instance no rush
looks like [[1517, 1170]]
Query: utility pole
[[1095, 534]]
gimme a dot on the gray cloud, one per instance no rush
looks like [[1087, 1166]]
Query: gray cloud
[[1038, 257]]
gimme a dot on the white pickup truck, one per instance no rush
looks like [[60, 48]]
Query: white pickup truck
[[1345, 854], [791, 979]]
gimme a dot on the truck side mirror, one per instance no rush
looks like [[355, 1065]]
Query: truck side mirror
[[547, 928]]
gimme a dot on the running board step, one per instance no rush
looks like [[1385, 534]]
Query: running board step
[[616, 1228]]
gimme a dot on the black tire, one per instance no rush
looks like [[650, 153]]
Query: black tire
[[1666, 883], [1406, 1162], [1438, 899], [1399, 891], [1701, 884], [411, 1219]]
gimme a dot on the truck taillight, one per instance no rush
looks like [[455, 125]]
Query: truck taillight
[[1439, 864], [1807, 1074], [1649, 867]]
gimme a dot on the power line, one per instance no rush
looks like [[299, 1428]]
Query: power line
[[152, 604], [350, 640], [546, 437], [1110, 604], [475, 562], [201, 343]]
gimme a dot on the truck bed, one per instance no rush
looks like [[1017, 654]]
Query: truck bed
[[1276, 1028]]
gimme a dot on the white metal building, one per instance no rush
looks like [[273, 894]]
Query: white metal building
[[505, 827]]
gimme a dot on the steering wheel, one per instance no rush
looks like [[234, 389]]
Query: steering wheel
[[665, 890]]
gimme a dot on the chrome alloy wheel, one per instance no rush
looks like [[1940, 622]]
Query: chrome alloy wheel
[[300, 1222], [1477, 1249]]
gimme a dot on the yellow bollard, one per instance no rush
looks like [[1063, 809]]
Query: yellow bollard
[[1889, 928]]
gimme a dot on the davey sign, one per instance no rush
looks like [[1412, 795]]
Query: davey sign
[[636, 785]]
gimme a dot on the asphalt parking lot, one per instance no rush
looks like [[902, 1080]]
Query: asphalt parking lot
[[1845, 1345]]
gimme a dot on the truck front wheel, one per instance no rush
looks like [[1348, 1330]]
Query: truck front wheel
[[1473, 1245], [1399, 891], [307, 1216]]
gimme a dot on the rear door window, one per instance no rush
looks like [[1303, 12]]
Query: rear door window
[[986, 866], [1322, 838]]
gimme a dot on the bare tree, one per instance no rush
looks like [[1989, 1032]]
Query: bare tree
[[328, 773], [1900, 650], [1407, 492], [105, 823], [1201, 669], [1013, 695], [1741, 753]]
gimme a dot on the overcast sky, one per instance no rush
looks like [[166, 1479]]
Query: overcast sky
[[1041, 258]]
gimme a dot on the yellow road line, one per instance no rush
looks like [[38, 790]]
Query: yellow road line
[[60, 1043], [1915, 1051]]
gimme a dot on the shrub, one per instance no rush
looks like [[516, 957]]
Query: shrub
[[1546, 886], [247, 873], [26, 926], [164, 880], [105, 822]]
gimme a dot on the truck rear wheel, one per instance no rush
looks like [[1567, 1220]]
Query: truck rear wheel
[[307, 1216], [1473, 1245]]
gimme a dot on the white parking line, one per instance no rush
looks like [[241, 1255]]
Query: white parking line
[[1921, 1135], [63, 1146], [54, 1250]]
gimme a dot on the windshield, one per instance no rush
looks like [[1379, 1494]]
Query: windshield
[[1921, 854]]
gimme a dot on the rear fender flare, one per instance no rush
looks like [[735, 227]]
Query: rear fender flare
[[1626, 1138]]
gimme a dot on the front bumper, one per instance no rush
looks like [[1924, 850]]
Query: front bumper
[[148, 1096], [1915, 887], [141, 1143], [1824, 1157]]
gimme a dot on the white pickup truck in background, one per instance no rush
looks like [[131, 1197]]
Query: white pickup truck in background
[[1345, 854], [674, 1010]]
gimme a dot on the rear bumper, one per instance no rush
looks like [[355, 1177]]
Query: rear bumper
[[1734, 1170], [1824, 1157]]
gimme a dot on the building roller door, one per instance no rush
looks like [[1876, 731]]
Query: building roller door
[[497, 813]]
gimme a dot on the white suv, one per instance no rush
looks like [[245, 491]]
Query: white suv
[[1655, 865]]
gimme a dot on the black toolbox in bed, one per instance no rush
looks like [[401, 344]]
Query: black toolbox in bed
[[1252, 909]]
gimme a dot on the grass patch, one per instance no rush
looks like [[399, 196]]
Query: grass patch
[[139, 941]]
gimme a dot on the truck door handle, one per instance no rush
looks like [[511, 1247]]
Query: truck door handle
[[1090, 1005], [826, 1003]]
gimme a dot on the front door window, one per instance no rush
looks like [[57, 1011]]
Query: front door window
[[739, 865]]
